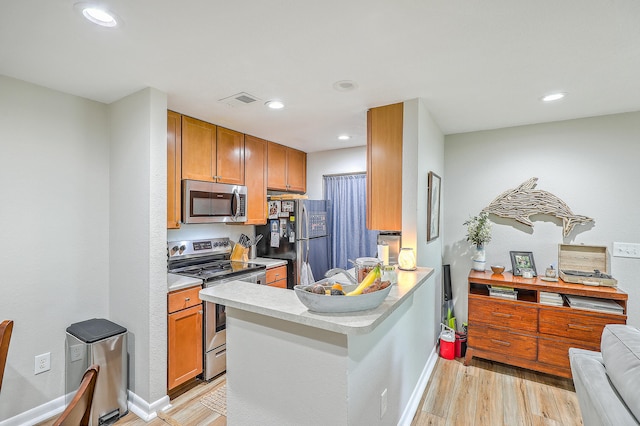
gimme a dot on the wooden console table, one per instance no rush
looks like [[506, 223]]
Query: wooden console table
[[529, 334]]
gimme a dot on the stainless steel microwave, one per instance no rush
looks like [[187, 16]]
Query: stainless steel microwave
[[208, 202]]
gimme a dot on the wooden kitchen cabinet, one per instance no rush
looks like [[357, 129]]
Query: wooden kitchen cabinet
[[211, 153], [277, 277], [184, 336], [287, 168], [384, 168], [530, 334], [174, 169], [255, 177]]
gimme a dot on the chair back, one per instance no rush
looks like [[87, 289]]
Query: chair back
[[79, 409], [6, 327]]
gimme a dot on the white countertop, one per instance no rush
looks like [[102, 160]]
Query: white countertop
[[284, 304], [178, 282], [269, 263]]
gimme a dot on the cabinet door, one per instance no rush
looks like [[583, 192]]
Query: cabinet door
[[230, 156], [174, 169], [296, 170], [384, 168], [184, 346], [277, 167], [255, 177], [198, 150]]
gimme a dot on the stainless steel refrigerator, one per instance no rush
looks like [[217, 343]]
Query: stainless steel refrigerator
[[298, 231]]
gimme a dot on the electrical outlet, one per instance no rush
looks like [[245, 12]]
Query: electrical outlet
[[75, 352], [43, 363], [626, 250], [383, 403]]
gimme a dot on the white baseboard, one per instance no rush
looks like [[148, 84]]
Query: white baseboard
[[37, 414], [143, 409], [137, 405], [418, 391]]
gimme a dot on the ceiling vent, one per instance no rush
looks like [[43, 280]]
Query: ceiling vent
[[239, 99]]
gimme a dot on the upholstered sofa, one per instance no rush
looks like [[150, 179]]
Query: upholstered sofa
[[608, 382]]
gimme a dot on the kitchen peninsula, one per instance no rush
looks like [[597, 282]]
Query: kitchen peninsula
[[289, 366]]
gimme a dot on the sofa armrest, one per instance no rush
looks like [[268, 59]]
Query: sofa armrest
[[599, 402]]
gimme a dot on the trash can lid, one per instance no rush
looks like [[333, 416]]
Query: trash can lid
[[95, 329]]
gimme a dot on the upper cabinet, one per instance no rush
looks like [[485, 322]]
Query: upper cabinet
[[174, 134], [384, 168], [255, 167], [287, 168], [211, 153]]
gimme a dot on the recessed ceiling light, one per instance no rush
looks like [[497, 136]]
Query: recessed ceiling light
[[344, 137], [275, 104], [97, 14], [553, 97], [345, 85]]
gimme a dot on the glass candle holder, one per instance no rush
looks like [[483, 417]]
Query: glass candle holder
[[407, 259]]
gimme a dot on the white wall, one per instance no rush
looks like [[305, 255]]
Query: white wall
[[54, 228], [138, 280], [590, 164], [336, 161]]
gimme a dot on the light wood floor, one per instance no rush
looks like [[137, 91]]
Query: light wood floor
[[488, 393], [484, 393]]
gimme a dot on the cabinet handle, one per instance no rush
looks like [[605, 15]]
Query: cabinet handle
[[501, 315], [200, 312], [186, 299], [501, 342], [579, 327]]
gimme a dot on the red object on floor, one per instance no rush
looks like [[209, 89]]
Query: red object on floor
[[447, 342]]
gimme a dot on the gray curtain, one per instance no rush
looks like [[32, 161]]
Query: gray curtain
[[351, 239]]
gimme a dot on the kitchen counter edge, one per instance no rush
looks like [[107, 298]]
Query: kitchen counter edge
[[284, 304]]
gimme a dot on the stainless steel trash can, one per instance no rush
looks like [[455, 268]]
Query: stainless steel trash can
[[98, 341]]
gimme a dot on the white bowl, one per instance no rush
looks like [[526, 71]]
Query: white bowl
[[336, 304]]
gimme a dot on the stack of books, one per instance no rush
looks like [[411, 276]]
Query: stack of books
[[553, 299], [503, 292], [593, 304]]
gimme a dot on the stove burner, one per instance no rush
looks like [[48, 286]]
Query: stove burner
[[208, 271]]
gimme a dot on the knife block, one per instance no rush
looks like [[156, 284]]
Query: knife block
[[239, 253]]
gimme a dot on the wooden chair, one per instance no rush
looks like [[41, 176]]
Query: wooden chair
[[6, 327], [79, 409]]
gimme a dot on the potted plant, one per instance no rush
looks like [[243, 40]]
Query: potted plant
[[479, 233]]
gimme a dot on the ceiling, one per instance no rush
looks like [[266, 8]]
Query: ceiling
[[477, 64]]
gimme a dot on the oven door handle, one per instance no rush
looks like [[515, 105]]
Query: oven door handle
[[235, 212]]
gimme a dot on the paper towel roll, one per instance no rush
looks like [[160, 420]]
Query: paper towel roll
[[383, 253]]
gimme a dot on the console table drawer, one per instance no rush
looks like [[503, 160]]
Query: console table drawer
[[503, 313], [503, 341], [582, 325], [556, 351]]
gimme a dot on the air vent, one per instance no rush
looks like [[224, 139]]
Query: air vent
[[239, 99]]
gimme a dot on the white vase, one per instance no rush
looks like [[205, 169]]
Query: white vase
[[479, 259]]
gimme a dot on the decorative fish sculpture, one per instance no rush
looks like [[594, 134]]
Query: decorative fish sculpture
[[524, 201]]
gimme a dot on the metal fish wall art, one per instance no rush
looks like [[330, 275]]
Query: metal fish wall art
[[524, 201]]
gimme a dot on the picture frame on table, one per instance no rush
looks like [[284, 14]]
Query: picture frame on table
[[522, 261], [433, 207]]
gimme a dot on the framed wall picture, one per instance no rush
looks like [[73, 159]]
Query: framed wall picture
[[522, 261], [433, 207]]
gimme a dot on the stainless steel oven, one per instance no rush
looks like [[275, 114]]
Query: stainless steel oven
[[208, 260], [215, 320]]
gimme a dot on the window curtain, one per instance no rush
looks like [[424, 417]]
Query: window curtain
[[349, 233]]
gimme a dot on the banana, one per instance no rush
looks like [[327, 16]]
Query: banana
[[366, 282]]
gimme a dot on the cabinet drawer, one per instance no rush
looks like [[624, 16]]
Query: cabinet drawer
[[182, 299], [503, 341], [577, 325], [279, 284], [556, 351], [516, 316], [276, 274]]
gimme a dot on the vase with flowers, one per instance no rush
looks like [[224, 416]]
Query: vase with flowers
[[479, 233]]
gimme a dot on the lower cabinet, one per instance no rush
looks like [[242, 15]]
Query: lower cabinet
[[277, 277], [184, 340]]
